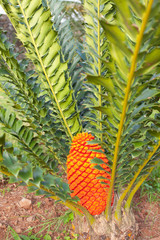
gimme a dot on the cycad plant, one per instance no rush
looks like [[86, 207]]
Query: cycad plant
[[101, 98]]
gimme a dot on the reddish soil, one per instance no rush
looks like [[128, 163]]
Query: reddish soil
[[42, 209], [23, 218], [148, 217]]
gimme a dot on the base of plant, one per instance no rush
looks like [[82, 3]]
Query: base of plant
[[104, 230]]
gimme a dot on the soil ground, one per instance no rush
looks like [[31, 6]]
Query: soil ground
[[147, 216], [30, 221]]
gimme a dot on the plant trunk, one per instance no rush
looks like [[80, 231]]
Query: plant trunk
[[103, 230]]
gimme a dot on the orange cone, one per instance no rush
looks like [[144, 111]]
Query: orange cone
[[82, 177]]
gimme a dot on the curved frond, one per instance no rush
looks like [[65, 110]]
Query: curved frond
[[96, 49], [19, 168], [28, 99], [130, 105], [130, 98], [34, 28], [29, 141], [70, 46]]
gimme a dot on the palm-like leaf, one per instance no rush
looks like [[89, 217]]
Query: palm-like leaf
[[35, 31], [69, 11], [132, 112], [70, 46], [127, 73], [23, 89], [18, 166], [96, 49]]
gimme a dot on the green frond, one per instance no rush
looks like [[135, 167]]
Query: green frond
[[128, 109], [34, 28], [28, 99], [96, 44], [19, 168], [96, 49], [29, 140], [69, 11], [70, 46]]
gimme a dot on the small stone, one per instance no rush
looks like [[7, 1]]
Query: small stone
[[25, 203], [15, 222], [30, 219], [2, 226], [18, 230]]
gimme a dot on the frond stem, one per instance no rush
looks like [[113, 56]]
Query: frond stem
[[99, 67]]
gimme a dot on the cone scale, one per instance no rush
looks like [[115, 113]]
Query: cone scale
[[82, 177]]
